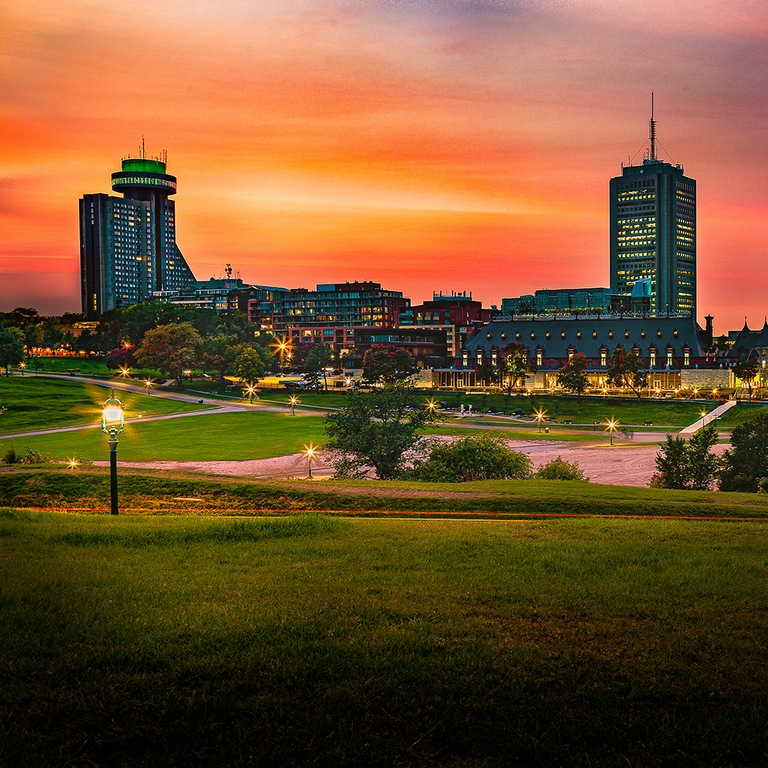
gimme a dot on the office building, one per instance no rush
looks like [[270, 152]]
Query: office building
[[331, 305], [653, 232], [128, 248]]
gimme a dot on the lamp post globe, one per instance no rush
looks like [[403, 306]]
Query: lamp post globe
[[112, 424]]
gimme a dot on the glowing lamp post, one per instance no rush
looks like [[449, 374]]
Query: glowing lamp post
[[703, 415], [611, 427], [432, 407], [293, 400], [148, 385], [540, 415], [251, 390], [310, 451], [112, 424], [22, 366]]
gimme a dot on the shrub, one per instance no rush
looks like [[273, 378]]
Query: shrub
[[687, 465], [473, 458], [746, 463], [559, 469], [11, 457]]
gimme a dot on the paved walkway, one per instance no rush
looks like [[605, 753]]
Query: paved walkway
[[707, 419]]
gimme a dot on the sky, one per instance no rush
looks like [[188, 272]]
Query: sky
[[428, 145]]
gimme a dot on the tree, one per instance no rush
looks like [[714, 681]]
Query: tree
[[11, 348], [386, 363], [120, 358], [484, 457], [745, 464], [218, 353], [170, 348], [746, 370], [251, 363], [688, 465], [319, 357], [515, 363], [572, 376], [626, 370], [375, 430]]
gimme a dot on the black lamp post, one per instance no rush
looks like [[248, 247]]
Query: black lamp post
[[112, 424]]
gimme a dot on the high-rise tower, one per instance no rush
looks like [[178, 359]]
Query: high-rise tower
[[128, 247], [653, 231]]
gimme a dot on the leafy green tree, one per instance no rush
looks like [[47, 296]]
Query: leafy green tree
[[626, 370], [746, 370], [484, 457], [572, 376], [218, 353], [170, 348], [120, 358], [688, 465], [319, 357], [387, 363], [515, 363], [251, 363], [560, 469], [11, 348], [671, 464], [703, 465], [375, 430], [237, 325], [745, 464]]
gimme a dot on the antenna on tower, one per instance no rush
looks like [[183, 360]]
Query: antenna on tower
[[142, 146], [652, 133]]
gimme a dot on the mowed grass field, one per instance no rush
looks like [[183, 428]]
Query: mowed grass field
[[37, 402], [310, 640]]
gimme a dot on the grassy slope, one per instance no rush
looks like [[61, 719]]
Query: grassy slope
[[33, 403], [208, 437], [191, 641], [174, 492]]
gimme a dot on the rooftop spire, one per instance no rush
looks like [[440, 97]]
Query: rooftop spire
[[652, 134]]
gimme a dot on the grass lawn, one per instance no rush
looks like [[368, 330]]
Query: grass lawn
[[177, 492], [308, 640], [32, 403], [208, 437]]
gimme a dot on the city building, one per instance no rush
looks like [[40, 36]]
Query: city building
[[668, 346], [128, 248], [653, 232], [333, 305], [456, 313]]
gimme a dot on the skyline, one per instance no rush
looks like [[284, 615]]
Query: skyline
[[427, 146]]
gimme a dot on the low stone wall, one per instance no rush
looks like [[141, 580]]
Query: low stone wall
[[705, 378]]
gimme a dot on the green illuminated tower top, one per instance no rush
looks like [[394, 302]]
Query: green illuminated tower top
[[142, 176]]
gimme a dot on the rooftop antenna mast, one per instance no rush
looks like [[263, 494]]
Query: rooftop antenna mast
[[652, 133]]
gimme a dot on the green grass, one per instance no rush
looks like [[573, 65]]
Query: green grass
[[33, 403], [83, 365], [208, 437], [151, 492], [316, 641]]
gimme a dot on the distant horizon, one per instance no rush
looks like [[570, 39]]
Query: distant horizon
[[427, 146]]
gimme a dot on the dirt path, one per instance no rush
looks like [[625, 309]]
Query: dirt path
[[605, 464]]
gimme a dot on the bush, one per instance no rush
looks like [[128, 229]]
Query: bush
[[688, 465], [28, 457], [11, 457], [472, 458], [746, 462], [559, 469]]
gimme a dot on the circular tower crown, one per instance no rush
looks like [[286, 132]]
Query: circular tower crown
[[142, 174]]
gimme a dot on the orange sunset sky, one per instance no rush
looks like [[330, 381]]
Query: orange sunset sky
[[426, 145]]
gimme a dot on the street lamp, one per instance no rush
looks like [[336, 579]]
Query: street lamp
[[251, 390], [611, 426], [540, 415], [22, 365], [293, 400], [112, 424], [703, 415], [148, 384], [431, 406], [124, 371], [310, 451]]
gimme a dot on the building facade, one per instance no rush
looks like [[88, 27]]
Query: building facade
[[653, 232], [332, 305], [128, 248]]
